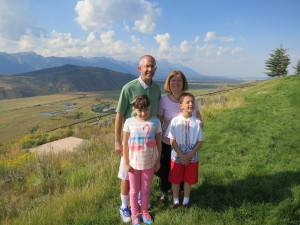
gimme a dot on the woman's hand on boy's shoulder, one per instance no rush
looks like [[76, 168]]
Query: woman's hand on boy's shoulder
[[201, 123]]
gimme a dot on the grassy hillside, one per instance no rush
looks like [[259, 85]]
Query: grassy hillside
[[249, 172]]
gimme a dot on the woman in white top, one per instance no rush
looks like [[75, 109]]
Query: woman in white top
[[175, 85]]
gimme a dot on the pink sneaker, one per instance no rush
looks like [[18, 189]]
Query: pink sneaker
[[146, 218], [135, 218]]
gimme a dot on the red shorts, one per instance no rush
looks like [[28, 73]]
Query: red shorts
[[187, 173]]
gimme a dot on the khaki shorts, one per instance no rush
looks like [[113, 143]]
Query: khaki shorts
[[123, 174]]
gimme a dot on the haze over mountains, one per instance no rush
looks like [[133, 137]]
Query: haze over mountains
[[16, 63]]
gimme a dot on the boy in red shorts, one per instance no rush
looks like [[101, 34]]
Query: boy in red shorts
[[185, 135]]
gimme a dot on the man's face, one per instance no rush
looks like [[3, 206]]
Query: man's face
[[147, 68]]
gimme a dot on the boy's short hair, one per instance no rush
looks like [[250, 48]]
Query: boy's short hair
[[141, 102], [185, 94]]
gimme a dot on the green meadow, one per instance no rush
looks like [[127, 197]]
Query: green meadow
[[19, 115], [249, 167]]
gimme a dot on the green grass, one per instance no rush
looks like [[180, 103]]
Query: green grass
[[249, 169]]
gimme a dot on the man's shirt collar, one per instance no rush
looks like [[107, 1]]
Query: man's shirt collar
[[144, 85]]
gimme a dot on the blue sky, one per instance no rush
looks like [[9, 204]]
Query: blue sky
[[230, 38]]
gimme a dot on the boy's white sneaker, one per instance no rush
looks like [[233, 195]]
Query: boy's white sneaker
[[125, 214]]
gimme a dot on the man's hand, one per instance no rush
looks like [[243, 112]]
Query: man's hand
[[157, 165], [119, 148]]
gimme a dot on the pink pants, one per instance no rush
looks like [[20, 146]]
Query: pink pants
[[140, 181]]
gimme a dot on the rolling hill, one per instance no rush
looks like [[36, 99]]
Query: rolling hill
[[63, 79]]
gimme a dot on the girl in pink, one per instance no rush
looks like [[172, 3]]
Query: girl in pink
[[142, 136]]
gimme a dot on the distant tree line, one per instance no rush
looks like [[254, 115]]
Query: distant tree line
[[278, 62], [99, 108]]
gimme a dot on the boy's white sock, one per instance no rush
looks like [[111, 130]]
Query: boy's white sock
[[176, 200], [186, 200], [124, 200]]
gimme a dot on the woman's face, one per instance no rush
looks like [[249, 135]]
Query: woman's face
[[176, 84]]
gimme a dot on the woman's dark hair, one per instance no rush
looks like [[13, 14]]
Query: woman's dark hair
[[141, 102]]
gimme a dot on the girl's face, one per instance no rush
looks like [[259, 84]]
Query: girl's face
[[142, 114], [176, 84]]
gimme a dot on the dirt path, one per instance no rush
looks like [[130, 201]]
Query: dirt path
[[68, 144]]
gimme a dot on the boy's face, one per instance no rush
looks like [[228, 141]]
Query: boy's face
[[188, 104], [142, 114]]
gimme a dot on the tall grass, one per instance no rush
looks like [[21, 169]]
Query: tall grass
[[249, 169]]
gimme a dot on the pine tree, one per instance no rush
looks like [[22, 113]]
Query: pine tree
[[278, 62], [297, 68]]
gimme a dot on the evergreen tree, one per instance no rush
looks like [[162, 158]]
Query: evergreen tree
[[297, 68], [278, 62]]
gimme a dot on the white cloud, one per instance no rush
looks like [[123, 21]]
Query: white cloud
[[28, 42], [16, 21], [163, 40], [236, 50], [126, 27], [94, 15], [135, 39], [197, 39], [206, 50], [226, 39], [91, 37], [106, 37], [221, 50], [211, 36], [232, 50], [184, 46]]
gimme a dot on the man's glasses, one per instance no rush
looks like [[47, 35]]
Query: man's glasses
[[150, 66]]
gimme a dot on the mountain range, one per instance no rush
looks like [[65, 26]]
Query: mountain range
[[23, 62], [29, 74]]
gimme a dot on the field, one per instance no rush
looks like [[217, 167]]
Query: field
[[19, 116], [249, 168]]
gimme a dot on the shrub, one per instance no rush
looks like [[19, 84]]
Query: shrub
[[32, 140]]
